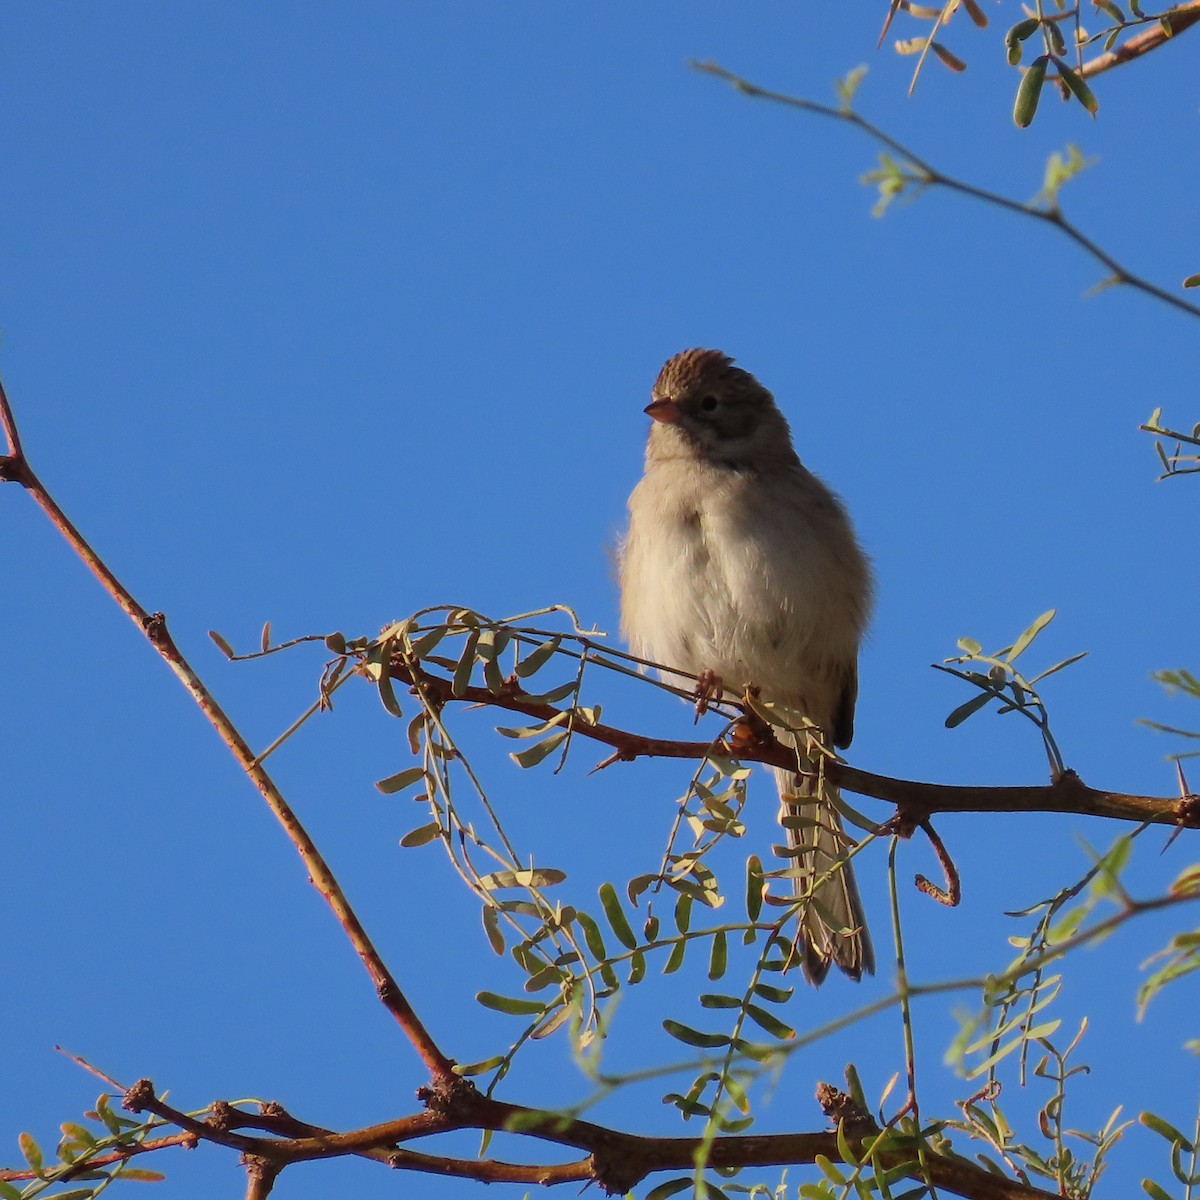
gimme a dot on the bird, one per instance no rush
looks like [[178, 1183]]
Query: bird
[[739, 565]]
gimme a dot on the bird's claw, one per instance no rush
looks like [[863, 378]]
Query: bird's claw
[[709, 690]]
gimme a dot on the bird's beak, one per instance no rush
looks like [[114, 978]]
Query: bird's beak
[[666, 411]]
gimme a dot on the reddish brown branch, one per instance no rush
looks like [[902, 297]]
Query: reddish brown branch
[[15, 468], [618, 1161], [916, 801], [110, 1158], [951, 894], [1181, 17]]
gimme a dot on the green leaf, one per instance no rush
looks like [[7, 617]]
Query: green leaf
[[8, 1192], [421, 836], [683, 912], [1153, 1190], [78, 1133], [491, 926], [556, 1021], [968, 645], [843, 1144], [1058, 666], [533, 662], [531, 877], [534, 754], [776, 995], [554, 695], [671, 1188], [427, 642], [1078, 88], [1016, 35], [732, 1125], [1042, 1031], [693, 1037], [513, 1005], [1166, 1130], [32, 1152], [592, 935], [963, 711], [491, 645], [719, 955], [137, 1174], [771, 1023], [616, 916], [675, 959], [833, 1173], [478, 1068], [846, 88], [401, 780], [717, 1000], [465, 665], [387, 694], [1022, 643], [1192, 281], [755, 886], [637, 967], [1029, 92], [544, 978], [528, 731]]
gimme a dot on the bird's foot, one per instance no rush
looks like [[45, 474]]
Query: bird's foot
[[709, 690]]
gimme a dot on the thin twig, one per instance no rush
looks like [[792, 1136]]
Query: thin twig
[[928, 175]]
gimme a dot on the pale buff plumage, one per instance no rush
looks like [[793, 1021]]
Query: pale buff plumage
[[741, 562]]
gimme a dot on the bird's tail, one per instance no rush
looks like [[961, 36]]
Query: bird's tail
[[833, 928]]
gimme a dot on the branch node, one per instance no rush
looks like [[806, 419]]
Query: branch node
[[1188, 812], [14, 469], [449, 1096], [841, 1108], [138, 1097], [155, 628]]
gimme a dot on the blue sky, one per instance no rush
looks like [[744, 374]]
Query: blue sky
[[321, 317]]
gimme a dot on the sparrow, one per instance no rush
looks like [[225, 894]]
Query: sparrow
[[739, 564]]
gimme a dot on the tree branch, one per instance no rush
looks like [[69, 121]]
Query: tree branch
[[617, 1160], [915, 801], [930, 176], [15, 468], [1181, 17]]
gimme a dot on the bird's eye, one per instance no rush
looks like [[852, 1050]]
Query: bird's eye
[[709, 403]]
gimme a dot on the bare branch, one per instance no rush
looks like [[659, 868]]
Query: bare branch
[[926, 175], [16, 469]]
